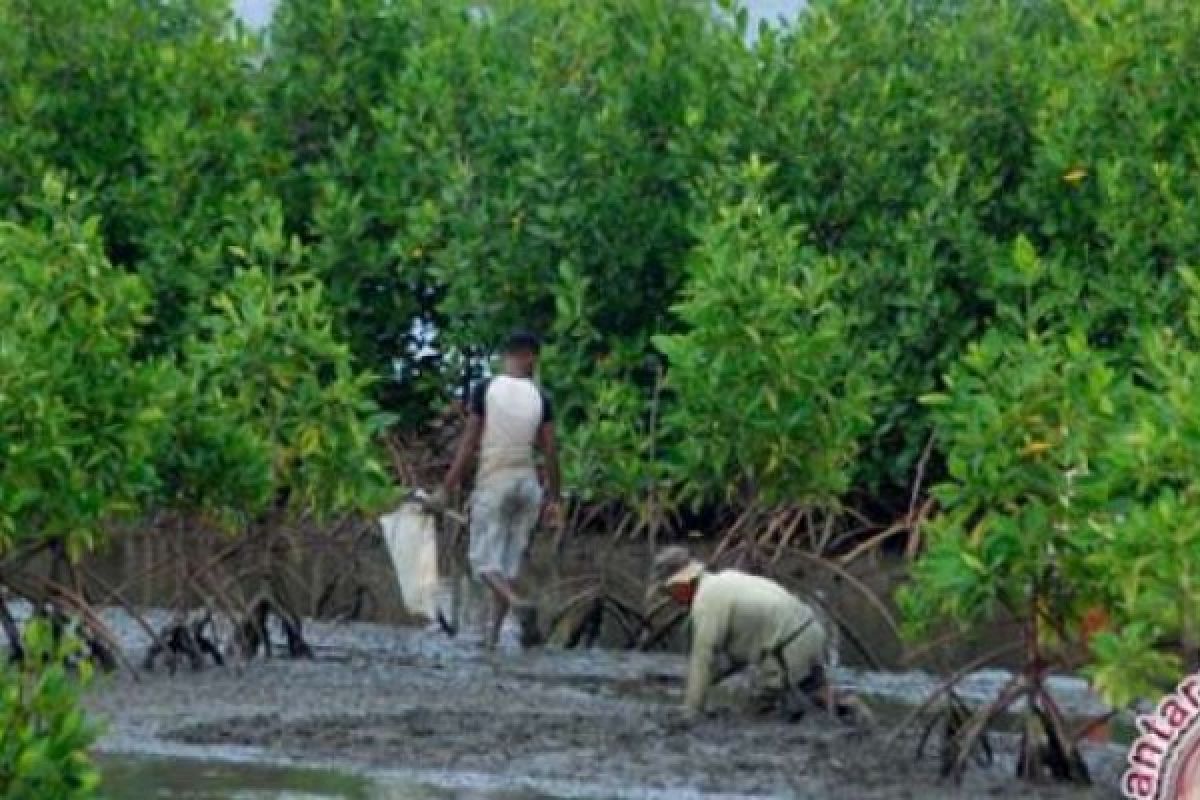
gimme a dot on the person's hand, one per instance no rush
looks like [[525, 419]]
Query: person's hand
[[552, 514], [438, 500]]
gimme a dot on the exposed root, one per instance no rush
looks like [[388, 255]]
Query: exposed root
[[1046, 748], [185, 640], [952, 718], [608, 595], [253, 632], [325, 599], [64, 609], [656, 636], [587, 629]]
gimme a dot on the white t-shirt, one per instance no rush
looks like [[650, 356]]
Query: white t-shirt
[[513, 409]]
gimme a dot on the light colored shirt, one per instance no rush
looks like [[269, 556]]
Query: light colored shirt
[[747, 618], [513, 409]]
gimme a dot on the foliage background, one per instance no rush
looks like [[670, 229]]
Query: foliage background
[[986, 204]]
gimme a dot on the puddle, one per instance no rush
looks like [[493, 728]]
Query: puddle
[[142, 778], [172, 778]]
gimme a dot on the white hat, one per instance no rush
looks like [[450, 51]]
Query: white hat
[[673, 565]]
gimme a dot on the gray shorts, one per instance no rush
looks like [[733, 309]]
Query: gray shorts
[[504, 511]]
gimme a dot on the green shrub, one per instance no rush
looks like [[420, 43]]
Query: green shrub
[[771, 397], [290, 205], [915, 142], [1146, 554], [1024, 422], [81, 417], [273, 409], [1070, 488], [44, 737], [150, 106], [452, 163]]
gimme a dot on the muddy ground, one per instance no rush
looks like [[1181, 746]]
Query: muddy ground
[[413, 703]]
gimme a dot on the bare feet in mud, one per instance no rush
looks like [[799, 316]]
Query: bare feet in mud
[[529, 635]]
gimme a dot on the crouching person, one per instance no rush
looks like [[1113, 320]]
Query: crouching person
[[751, 621]]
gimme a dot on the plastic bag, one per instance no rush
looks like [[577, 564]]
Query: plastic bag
[[411, 537]]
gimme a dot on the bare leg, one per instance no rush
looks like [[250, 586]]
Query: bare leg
[[843, 705], [501, 588], [503, 598], [500, 607], [506, 597], [817, 691]]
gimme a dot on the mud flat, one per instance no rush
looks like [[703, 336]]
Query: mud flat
[[410, 706]]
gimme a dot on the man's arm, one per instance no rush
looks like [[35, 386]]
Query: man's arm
[[467, 447], [700, 666], [549, 447]]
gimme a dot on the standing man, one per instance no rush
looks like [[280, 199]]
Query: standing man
[[510, 417], [750, 621]]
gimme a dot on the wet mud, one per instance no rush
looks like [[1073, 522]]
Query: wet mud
[[415, 705]]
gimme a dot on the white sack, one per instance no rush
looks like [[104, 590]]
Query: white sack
[[411, 537]]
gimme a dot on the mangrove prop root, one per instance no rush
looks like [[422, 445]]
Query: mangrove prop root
[[630, 626], [587, 629], [844, 630], [60, 607], [947, 686], [207, 645], [297, 646], [326, 596], [1045, 746], [184, 640], [564, 615], [357, 605], [656, 637], [964, 742], [952, 718], [593, 606], [253, 632], [631, 620], [101, 654]]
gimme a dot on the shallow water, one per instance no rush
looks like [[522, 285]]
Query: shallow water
[[174, 778], [138, 778]]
